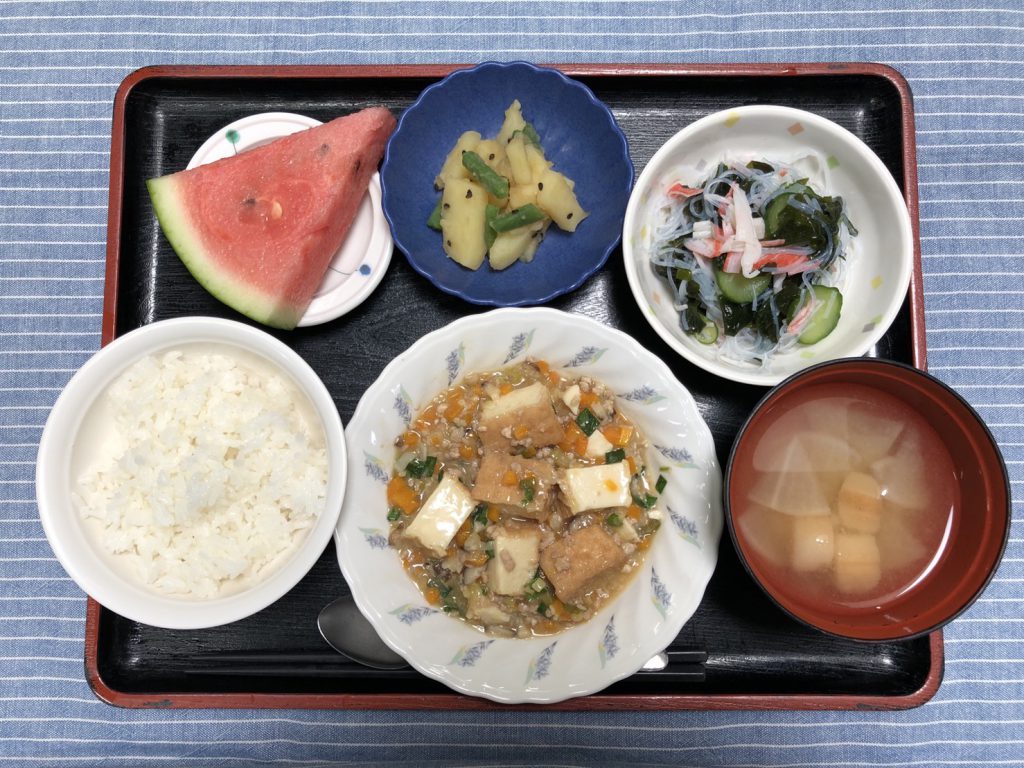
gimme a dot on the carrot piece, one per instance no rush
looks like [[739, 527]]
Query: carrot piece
[[493, 514], [466, 451], [505, 389], [554, 378], [611, 485], [476, 559], [634, 512], [520, 431], [463, 533], [433, 596], [410, 439], [542, 366], [632, 465], [587, 399], [509, 478], [402, 496], [617, 434]]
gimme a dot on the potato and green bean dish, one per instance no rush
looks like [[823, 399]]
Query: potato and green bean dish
[[520, 502], [500, 195]]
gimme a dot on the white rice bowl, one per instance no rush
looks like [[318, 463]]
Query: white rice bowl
[[643, 619], [203, 478]]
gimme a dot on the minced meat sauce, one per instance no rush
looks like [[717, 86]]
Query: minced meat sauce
[[520, 502]]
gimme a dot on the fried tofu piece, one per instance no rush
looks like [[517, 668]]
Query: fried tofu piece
[[516, 554], [573, 563], [493, 483], [860, 503], [523, 416]]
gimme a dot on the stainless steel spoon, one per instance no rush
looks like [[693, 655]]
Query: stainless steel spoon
[[348, 632]]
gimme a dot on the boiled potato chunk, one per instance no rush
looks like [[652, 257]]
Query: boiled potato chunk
[[492, 153], [556, 198], [453, 167], [538, 237], [517, 162], [463, 222], [514, 121], [509, 246], [812, 543], [860, 503], [522, 194], [538, 163], [858, 563]]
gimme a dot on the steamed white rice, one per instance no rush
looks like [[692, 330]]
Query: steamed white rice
[[214, 473]]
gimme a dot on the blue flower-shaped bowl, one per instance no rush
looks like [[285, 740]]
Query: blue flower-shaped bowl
[[579, 135]]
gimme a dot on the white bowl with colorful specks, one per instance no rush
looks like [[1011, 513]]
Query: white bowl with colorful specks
[[876, 275], [643, 619]]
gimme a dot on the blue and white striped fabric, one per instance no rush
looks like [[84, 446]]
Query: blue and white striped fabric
[[60, 62]]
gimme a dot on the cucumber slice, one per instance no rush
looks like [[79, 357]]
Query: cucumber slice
[[743, 290], [825, 316]]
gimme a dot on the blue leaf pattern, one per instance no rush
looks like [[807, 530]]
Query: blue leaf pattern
[[687, 528], [401, 404], [520, 343], [680, 456], [540, 666], [609, 645], [586, 356], [454, 362], [468, 657], [410, 614], [374, 468], [645, 394], [375, 538], [660, 596]]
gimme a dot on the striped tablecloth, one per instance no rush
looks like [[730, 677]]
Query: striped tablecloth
[[60, 62]]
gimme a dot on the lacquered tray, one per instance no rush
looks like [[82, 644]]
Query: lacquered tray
[[738, 651]]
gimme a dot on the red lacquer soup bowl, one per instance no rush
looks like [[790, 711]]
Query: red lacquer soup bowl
[[868, 499]]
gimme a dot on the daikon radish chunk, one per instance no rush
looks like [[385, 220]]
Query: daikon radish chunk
[[902, 477], [898, 541], [791, 490], [812, 543], [871, 435], [858, 563], [860, 503], [768, 532]]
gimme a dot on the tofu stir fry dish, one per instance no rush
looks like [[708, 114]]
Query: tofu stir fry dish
[[520, 502]]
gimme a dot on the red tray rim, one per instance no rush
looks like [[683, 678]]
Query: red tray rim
[[452, 700]]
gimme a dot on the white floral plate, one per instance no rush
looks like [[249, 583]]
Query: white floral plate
[[649, 613]]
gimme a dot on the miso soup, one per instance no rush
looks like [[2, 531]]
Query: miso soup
[[852, 496]]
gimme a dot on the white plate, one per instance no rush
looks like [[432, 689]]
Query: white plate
[[641, 621], [877, 273], [359, 265]]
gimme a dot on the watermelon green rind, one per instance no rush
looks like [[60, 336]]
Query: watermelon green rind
[[175, 221]]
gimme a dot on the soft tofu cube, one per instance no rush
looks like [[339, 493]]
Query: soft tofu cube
[[859, 504], [527, 410], [492, 487], [858, 563], [571, 398], [812, 543], [572, 563], [597, 445], [516, 555], [481, 608], [441, 515], [597, 487]]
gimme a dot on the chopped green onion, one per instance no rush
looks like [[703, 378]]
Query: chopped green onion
[[440, 476], [646, 501], [660, 485], [537, 585], [526, 486], [424, 468], [542, 608], [614, 457], [489, 549], [614, 520], [394, 514], [480, 514], [587, 422]]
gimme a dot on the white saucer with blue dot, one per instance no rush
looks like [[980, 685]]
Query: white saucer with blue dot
[[359, 265]]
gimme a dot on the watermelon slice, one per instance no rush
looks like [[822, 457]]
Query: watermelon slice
[[258, 230]]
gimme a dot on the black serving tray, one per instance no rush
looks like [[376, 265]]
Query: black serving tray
[[756, 657]]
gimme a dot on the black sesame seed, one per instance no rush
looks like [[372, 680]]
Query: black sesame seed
[[490, 156], [449, 243], [469, 193], [446, 206], [568, 216], [540, 185]]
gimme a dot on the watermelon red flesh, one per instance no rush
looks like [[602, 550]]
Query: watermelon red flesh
[[258, 230]]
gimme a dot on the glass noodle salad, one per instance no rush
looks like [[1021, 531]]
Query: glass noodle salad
[[754, 256]]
